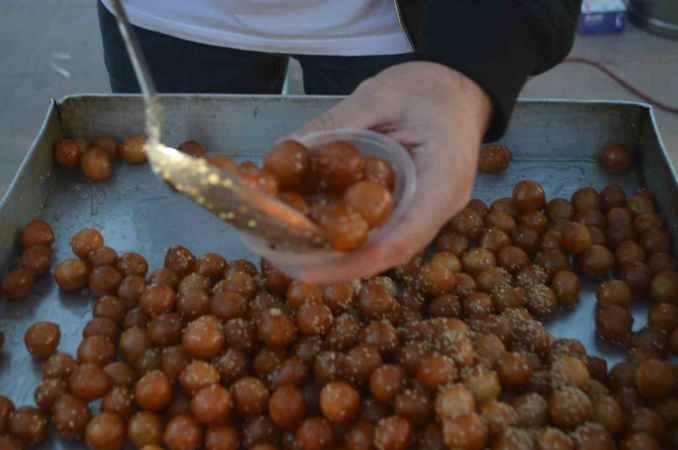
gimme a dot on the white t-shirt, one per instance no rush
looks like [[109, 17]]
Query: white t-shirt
[[309, 27]]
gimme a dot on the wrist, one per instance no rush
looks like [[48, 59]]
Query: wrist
[[470, 104]]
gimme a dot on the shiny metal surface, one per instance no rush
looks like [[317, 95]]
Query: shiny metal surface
[[555, 143], [219, 191], [657, 16]]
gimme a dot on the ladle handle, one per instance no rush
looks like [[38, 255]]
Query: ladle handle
[[141, 70]]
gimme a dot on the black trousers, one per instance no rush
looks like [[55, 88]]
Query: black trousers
[[180, 66]]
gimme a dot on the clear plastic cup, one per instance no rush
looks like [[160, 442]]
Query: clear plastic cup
[[369, 143]]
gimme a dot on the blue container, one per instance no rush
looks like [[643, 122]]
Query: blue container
[[602, 16]]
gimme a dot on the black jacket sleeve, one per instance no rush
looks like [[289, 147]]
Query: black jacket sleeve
[[498, 43]]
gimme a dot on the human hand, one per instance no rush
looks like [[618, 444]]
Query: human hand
[[441, 117]]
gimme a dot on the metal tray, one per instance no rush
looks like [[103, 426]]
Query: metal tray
[[554, 142]]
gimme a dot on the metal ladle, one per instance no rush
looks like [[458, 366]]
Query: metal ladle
[[221, 192]]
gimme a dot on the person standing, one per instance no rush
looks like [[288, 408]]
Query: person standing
[[439, 76]]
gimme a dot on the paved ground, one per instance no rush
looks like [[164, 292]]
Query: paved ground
[[51, 48]]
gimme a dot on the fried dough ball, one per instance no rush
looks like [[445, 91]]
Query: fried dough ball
[[222, 437], [204, 337], [346, 229], [315, 433], [663, 316], [436, 279], [37, 232], [183, 433], [48, 392], [371, 200], [478, 206], [107, 143], [453, 401], [478, 260], [528, 196], [654, 379], [596, 262], [339, 402], [86, 241], [67, 152], [514, 370], [467, 222], [554, 439], [660, 261], [314, 318], [211, 265], [102, 256], [153, 391], [513, 438], [89, 382], [576, 238], [386, 381], [42, 339], [664, 287], [158, 299], [180, 261], [569, 371], [276, 329], [105, 432], [393, 433], [132, 149], [59, 365], [145, 428], [338, 166], [569, 407], [289, 162], [131, 263], [70, 415], [96, 164], [616, 159], [613, 324], [18, 284], [96, 349], [614, 292], [104, 280], [637, 275], [192, 148], [120, 401], [586, 199], [468, 432], [250, 396], [379, 171], [494, 158], [37, 259], [29, 424], [211, 405], [566, 285], [287, 407]]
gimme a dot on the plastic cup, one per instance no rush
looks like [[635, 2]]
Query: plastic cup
[[369, 143]]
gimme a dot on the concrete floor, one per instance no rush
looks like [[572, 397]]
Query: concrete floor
[[52, 48]]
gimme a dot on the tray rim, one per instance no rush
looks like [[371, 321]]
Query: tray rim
[[52, 108], [520, 100]]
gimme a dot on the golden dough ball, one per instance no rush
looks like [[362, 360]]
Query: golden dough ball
[[132, 149], [96, 164], [67, 152]]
